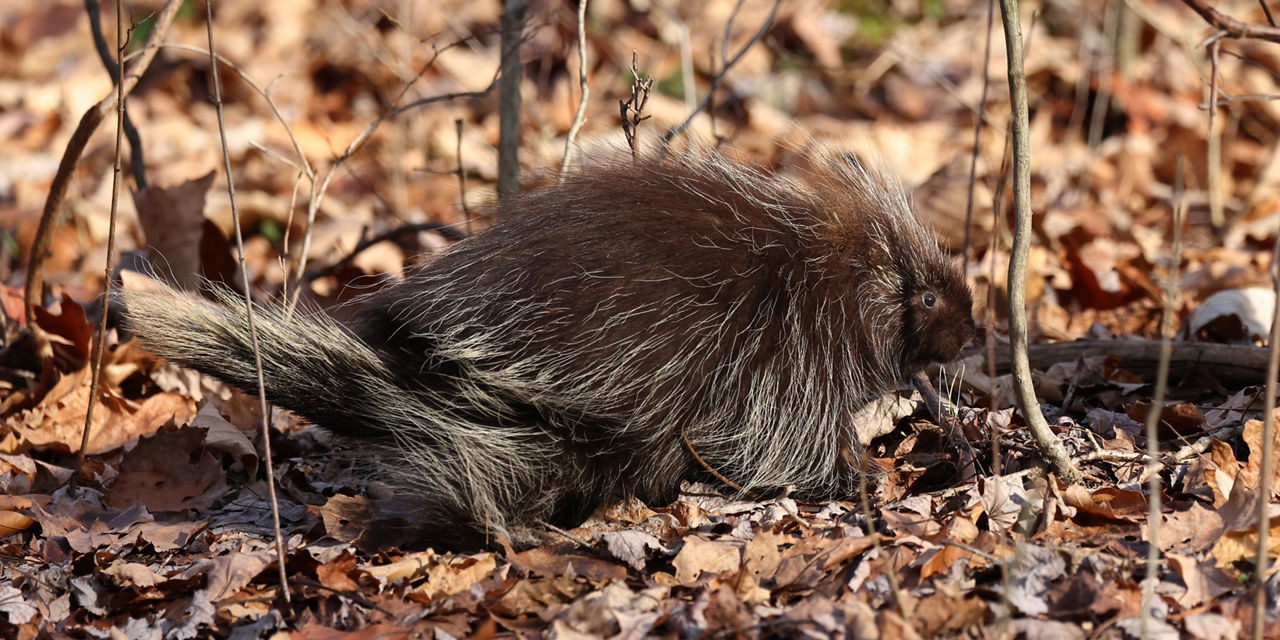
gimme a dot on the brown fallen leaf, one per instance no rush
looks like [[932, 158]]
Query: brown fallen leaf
[[58, 421], [223, 437], [1253, 438], [548, 561], [168, 471], [132, 574], [1177, 419], [760, 560], [337, 573], [1108, 502], [69, 331], [699, 556], [1242, 544], [456, 575], [407, 568], [226, 574], [11, 518], [172, 219]]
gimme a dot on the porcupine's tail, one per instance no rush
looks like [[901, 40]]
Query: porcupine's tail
[[456, 468], [311, 365]]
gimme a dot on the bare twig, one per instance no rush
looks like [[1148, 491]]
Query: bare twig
[[265, 92], [997, 216], [718, 78], [1226, 98], [248, 306], [136, 162], [1229, 363], [566, 535], [581, 115], [1231, 27], [421, 102], [632, 109], [1214, 138], [712, 470], [462, 178], [319, 185], [977, 131], [1157, 403], [1105, 69], [1186, 453], [687, 79], [1049, 445], [66, 169], [122, 39], [303, 166], [989, 345], [1265, 488]]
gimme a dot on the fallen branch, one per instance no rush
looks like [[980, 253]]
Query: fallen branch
[[1229, 363]]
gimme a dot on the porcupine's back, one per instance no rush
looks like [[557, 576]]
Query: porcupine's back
[[639, 304]]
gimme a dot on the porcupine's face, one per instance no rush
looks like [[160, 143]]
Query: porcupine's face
[[939, 318]]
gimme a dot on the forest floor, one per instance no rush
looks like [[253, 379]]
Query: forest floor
[[169, 533]]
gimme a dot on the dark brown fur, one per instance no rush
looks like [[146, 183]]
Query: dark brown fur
[[559, 359]]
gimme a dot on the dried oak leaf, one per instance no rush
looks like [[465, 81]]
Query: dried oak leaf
[[630, 546], [12, 518], [700, 556], [84, 526], [173, 221], [69, 332], [223, 437], [547, 561], [169, 471], [229, 573], [1108, 502], [1176, 418], [132, 574], [457, 575], [58, 421], [337, 573]]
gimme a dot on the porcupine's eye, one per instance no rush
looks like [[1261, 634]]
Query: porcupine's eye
[[929, 299]]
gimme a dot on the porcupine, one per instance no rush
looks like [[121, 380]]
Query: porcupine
[[603, 331]]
